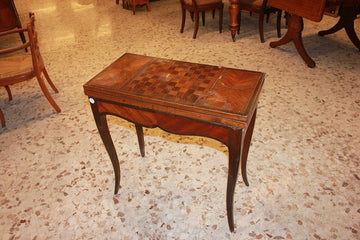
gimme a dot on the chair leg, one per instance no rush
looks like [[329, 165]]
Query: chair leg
[[8, 92], [196, 13], [148, 6], [22, 36], [261, 26], [183, 10], [221, 18], [213, 13], [125, 4], [239, 21], [134, 6], [278, 22], [203, 18], [2, 118], [49, 80], [47, 93]]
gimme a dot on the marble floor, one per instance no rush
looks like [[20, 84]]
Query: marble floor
[[56, 179]]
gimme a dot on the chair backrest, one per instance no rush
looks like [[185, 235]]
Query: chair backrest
[[38, 62], [9, 17]]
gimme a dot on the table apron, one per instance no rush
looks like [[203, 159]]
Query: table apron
[[169, 122]]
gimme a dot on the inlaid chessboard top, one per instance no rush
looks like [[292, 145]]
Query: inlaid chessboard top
[[178, 86]]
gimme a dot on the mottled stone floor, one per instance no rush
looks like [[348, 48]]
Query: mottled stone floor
[[56, 179]]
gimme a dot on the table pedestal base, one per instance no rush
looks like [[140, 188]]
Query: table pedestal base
[[347, 17], [295, 27]]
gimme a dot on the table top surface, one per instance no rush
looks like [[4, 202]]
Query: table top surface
[[310, 9], [176, 87]]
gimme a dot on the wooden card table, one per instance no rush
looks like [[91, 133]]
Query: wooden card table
[[182, 98]]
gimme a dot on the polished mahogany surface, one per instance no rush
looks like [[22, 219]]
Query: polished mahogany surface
[[314, 10], [213, 93], [310, 9], [182, 98]]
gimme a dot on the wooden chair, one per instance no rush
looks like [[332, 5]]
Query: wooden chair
[[17, 66], [197, 6], [127, 3], [261, 8], [9, 18]]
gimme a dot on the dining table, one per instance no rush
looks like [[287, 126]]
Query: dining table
[[312, 10]]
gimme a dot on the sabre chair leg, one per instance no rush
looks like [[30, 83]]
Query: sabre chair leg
[[183, 20], [203, 18], [239, 21], [2, 118], [278, 23], [196, 23], [134, 6], [261, 27], [9, 92], [49, 81], [47, 93], [221, 13]]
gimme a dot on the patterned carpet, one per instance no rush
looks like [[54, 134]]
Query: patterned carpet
[[56, 179]]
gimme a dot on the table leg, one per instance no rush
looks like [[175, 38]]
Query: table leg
[[347, 17], [101, 123], [246, 146], [235, 147], [234, 11], [140, 135], [295, 27], [238, 145]]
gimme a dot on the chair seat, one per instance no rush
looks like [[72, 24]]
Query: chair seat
[[15, 65]]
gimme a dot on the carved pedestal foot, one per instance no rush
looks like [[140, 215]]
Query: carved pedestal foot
[[295, 27]]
